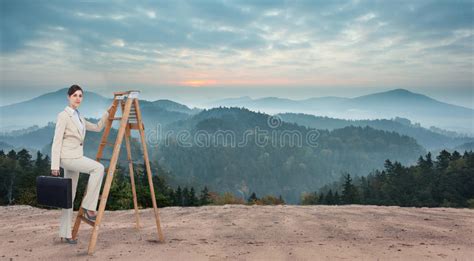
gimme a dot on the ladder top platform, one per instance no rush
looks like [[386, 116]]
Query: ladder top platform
[[128, 94], [125, 92]]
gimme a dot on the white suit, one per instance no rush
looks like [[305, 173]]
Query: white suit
[[67, 152]]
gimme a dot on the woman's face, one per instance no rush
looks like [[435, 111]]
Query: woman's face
[[75, 99]]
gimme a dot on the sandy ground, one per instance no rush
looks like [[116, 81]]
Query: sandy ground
[[238, 232]]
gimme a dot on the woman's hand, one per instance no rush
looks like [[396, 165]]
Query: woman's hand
[[55, 172], [109, 110]]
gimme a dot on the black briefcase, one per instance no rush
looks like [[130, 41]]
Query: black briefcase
[[54, 191]]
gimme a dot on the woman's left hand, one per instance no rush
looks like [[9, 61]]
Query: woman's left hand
[[109, 110]]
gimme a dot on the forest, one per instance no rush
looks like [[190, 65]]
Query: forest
[[446, 181]]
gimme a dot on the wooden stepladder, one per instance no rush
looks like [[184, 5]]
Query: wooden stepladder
[[131, 119]]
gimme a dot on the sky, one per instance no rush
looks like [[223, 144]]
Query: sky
[[197, 51]]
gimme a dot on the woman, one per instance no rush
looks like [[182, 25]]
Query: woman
[[67, 152]]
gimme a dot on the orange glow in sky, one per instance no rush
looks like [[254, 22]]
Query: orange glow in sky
[[199, 83]]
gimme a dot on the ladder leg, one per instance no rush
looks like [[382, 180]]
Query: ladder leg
[[108, 126], [77, 223], [132, 178], [110, 176], [161, 238], [100, 213]]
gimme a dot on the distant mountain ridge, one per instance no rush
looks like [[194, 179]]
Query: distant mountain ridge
[[431, 139], [382, 105], [44, 108]]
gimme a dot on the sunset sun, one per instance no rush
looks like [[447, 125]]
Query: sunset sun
[[198, 83]]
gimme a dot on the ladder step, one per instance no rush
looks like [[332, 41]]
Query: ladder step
[[107, 143], [120, 118], [134, 126], [132, 161]]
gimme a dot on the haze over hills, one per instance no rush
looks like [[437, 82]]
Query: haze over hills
[[428, 138], [158, 114], [43, 109], [383, 105], [206, 157]]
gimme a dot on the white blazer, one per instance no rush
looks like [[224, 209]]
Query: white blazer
[[69, 139]]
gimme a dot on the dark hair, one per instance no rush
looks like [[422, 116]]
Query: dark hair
[[73, 89]]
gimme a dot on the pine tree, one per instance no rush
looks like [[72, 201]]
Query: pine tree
[[253, 198], [455, 156], [349, 192], [205, 197], [321, 199], [12, 155], [388, 165], [330, 198], [24, 158], [39, 159], [192, 200], [443, 160], [178, 200], [337, 200], [429, 161], [281, 200], [10, 170], [185, 197]]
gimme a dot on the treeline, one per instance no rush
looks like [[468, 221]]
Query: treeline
[[18, 174], [447, 181]]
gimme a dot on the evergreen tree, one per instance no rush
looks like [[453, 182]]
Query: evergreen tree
[[388, 165], [185, 197], [349, 192], [281, 200], [178, 200], [39, 159], [321, 199], [443, 160], [337, 200], [9, 171], [192, 200], [253, 198], [330, 198], [429, 161], [120, 196], [205, 197], [455, 156], [12, 155], [24, 158]]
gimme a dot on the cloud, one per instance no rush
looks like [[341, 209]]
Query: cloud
[[256, 39]]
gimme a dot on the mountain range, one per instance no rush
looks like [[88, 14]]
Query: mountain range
[[207, 157], [43, 109], [20, 121], [383, 105], [343, 146], [432, 139]]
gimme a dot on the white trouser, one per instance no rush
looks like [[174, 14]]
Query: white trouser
[[72, 167]]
